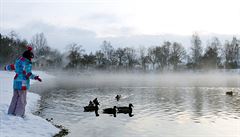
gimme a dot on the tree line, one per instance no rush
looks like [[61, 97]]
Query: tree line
[[169, 56], [11, 47]]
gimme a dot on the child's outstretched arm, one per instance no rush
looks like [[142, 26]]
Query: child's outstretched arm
[[10, 67], [30, 75]]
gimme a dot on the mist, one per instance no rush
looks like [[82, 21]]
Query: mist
[[185, 79]]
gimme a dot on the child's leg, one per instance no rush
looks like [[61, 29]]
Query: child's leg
[[21, 103], [13, 103]]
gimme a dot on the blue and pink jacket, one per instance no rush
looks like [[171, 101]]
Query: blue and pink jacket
[[23, 70]]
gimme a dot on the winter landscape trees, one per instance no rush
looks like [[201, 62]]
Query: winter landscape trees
[[168, 56]]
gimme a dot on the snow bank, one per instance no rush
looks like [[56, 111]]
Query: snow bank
[[31, 125]]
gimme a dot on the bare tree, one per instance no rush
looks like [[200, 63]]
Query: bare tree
[[231, 53], [165, 54], [131, 57], [212, 55], [120, 53], [152, 54], [143, 59], [88, 60], [99, 57], [39, 43], [178, 53], [75, 55], [196, 50], [108, 52]]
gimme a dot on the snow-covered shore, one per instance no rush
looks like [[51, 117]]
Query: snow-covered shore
[[31, 125]]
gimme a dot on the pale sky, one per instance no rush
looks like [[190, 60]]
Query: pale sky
[[83, 20]]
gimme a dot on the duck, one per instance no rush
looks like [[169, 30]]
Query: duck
[[110, 111], [95, 101], [92, 107], [230, 93], [118, 97], [125, 110], [90, 103]]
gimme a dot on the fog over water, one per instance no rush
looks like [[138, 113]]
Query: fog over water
[[207, 79]]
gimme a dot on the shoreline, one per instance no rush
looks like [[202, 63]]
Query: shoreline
[[63, 131]]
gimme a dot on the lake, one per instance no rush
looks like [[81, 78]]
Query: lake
[[162, 111]]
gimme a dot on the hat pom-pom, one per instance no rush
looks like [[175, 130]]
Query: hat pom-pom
[[29, 48]]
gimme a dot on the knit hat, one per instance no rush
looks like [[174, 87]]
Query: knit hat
[[29, 48], [28, 53]]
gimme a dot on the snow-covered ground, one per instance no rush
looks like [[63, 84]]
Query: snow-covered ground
[[31, 125]]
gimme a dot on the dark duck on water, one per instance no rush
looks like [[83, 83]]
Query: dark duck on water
[[126, 110], [110, 111], [118, 97], [92, 106], [230, 93]]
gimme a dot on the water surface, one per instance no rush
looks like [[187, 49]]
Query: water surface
[[158, 111]]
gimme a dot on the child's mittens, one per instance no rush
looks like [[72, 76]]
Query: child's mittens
[[37, 78]]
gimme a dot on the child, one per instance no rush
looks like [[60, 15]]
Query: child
[[23, 70]]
